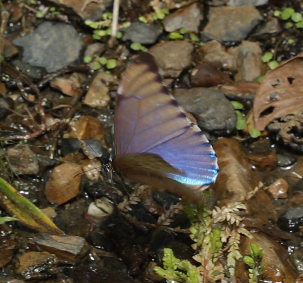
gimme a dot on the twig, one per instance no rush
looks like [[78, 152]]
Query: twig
[[114, 22]]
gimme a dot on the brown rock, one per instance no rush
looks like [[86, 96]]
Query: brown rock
[[266, 161], [64, 183], [279, 188], [188, 18], [69, 84], [249, 61], [214, 52], [87, 127], [172, 56], [276, 261], [66, 248], [36, 265], [231, 23], [206, 75], [97, 95], [237, 180]]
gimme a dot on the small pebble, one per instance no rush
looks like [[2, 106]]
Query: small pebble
[[279, 188], [292, 219]]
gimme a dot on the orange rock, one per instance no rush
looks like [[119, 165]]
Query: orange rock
[[279, 188], [64, 183]]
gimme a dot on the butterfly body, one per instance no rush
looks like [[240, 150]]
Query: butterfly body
[[156, 143]]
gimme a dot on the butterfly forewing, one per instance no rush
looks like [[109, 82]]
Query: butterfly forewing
[[149, 121]]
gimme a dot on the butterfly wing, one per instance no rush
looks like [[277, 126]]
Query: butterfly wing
[[149, 120]]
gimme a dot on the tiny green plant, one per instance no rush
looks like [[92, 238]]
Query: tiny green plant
[[253, 261], [4, 219], [97, 62], [177, 270], [137, 46], [268, 58], [290, 17]]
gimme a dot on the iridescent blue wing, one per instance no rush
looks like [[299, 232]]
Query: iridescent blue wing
[[148, 120]]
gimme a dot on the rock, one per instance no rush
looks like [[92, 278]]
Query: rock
[[94, 147], [23, 160], [36, 265], [70, 84], [231, 23], [91, 168], [241, 91], [237, 180], [52, 46], [265, 161], [8, 245], [214, 52], [188, 18], [286, 160], [206, 75], [275, 260], [64, 183], [142, 32], [97, 96], [172, 56], [100, 209], [247, 2], [89, 9], [249, 61], [6, 104], [95, 49], [271, 26], [87, 127], [213, 110], [66, 248], [279, 188], [33, 72], [291, 219]]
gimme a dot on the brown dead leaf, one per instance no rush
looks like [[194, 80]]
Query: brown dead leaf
[[281, 92]]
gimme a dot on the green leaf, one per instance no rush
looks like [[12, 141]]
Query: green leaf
[[273, 65], [299, 24], [87, 59], [137, 46], [101, 60], [287, 13], [237, 105], [277, 13], [296, 17], [169, 259], [175, 35], [183, 30], [253, 132], [7, 219], [267, 57], [24, 210], [111, 64], [289, 25], [241, 122], [249, 261], [194, 37], [142, 19], [256, 251]]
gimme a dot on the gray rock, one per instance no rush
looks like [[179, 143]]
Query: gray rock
[[172, 56], [212, 109], [292, 219], [231, 23], [142, 33], [52, 46], [247, 2], [188, 18]]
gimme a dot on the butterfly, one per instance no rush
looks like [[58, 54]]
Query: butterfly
[[155, 143]]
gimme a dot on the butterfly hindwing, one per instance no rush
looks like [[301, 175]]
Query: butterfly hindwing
[[148, 120]]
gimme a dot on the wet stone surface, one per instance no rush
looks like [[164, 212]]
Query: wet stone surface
[[213, 111]]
